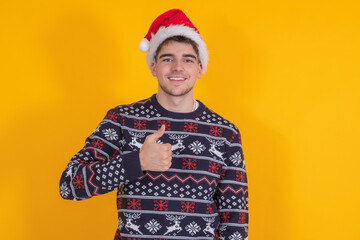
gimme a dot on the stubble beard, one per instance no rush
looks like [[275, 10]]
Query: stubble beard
[[169, 92]]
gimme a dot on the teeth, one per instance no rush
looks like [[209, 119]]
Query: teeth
[[176, 78]]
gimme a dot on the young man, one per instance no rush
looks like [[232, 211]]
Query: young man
[[177, 165]]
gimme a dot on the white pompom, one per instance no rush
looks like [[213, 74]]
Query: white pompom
[[144, 45]]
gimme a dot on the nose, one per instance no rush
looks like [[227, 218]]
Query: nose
[[177, 65]]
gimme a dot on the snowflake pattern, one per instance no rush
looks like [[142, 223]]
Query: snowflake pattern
[[240, 176], [242, 218], [64, 190], [224, 217], [189, 163], [119, 203], [214, 167], [153, 226], [139, 124], [161, 205], [190, 127], [97, 143], [112, 116], [78, 182], [187, 206], [209, 209], [232, 138], [110, 134], [216, 131], [223, 174], [193, 228], [134, 204], [197, 147], [236, 236], [235, 158]]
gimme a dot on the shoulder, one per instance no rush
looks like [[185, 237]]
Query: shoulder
[[118, 113], [132, 108], [229, 130]]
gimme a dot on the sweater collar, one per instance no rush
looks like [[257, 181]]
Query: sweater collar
[[178, 115]]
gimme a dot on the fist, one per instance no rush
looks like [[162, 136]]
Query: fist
[[154, 156]]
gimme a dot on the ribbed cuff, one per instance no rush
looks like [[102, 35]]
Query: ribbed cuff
[[131, 164]]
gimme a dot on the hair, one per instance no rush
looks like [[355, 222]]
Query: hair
[[180, 39]]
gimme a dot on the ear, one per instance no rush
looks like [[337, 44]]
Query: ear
[[153, 69], [200, 70]]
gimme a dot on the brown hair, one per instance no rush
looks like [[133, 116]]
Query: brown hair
[[180, 39]]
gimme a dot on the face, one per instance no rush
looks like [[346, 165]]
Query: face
[[177, 68]]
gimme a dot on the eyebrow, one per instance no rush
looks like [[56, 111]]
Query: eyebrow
[[166, 55], [172, 55], [189, 55]]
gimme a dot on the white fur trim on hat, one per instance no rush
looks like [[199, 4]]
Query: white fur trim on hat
[[144, 45], [177, 30]]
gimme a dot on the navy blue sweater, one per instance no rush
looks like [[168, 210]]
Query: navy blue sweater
[[204, 194]]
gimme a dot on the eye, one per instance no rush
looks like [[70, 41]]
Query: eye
[[167, 60], [189, 60]]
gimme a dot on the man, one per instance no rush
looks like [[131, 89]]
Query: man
[[177, 165]]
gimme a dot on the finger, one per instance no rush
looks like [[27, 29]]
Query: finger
[[166, 166], [168, 146], [158, 134], [169, 165], [167, 160], [165, 156], [168, 152]]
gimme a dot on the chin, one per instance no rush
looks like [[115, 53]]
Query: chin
[[178, 93]]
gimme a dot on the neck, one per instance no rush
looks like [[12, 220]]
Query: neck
[[180, 104]]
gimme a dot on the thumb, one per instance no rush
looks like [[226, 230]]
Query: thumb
[[158, 134]]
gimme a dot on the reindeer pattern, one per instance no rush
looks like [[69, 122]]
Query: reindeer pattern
[[212, 147]]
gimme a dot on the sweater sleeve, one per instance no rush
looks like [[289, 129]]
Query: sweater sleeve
[[232, 193], [100, 166]]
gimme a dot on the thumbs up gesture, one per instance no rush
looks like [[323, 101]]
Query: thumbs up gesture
[[154, 156]]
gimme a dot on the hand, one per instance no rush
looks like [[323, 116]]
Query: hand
[[154, 156]]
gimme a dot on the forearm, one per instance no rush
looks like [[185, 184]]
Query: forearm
[[232, 201], [82, 180], [232, 194]]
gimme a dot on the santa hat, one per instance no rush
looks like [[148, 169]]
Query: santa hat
[[172, 23]]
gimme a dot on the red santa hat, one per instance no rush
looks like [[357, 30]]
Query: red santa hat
[[172, 23]]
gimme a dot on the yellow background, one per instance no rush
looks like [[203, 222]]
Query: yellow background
[[285, 72]]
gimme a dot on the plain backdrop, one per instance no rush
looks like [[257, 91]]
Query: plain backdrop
[[285, 72]]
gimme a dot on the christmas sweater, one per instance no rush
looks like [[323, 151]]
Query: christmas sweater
[[203, 195]]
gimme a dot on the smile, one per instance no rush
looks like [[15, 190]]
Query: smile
[[177, 78]]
